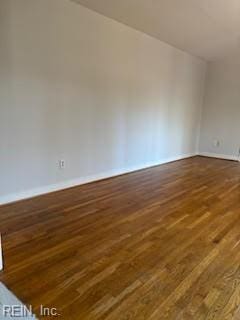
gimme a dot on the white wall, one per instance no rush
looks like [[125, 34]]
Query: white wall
[[81, 87], [221, 112]]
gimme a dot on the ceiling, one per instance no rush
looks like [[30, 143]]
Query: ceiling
[[209, 29]]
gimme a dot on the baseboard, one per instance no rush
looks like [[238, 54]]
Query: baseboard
[[219, 156], [83, 180]]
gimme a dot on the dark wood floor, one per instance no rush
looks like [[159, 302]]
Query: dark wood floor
[[162, 243]]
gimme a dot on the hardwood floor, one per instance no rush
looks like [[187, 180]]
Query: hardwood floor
[[162, 243]]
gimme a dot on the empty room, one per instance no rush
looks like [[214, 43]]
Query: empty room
[[120, 159]]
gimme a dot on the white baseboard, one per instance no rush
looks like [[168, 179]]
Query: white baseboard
[[83, 180], [219, 156]]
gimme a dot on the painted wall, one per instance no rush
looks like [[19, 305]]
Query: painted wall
[[221, 111], [78, 86]]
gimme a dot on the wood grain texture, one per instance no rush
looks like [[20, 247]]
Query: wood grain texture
[[161, 243]]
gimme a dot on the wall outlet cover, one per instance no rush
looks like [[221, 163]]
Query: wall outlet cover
[[216, 143], [62, 164]]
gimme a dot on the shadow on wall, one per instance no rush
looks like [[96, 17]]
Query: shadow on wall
[[98, 94]]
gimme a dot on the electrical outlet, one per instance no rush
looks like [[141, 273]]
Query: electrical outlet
[[62, 164], [216, 143]]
